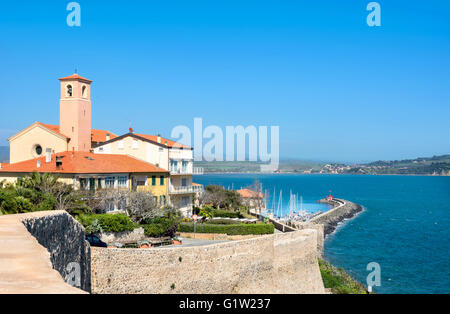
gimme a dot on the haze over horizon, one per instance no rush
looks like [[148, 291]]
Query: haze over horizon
[[338, 89]]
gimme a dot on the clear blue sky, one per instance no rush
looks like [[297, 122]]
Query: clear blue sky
[[338, 89]]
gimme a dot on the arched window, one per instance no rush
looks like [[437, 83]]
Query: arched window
[[83, 91], [69, 90]]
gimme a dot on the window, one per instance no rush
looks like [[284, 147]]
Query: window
[[110, 206], [99, 183], [184, 165], [161, 180], [184, 201], [69, 91], [83, 91], [163, 200], [153, 180], [109, 182], [83, 184], [122, 204], [173, 165], [123, 182], [184, 182], [38, 150]]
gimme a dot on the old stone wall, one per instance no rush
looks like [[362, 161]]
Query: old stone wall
[[28, 266], [125, 237], [64, 238], [278, 263]]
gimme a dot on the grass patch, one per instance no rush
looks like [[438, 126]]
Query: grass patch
[[230, 229], [338, 280]]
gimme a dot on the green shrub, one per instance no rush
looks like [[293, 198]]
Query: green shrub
[[161, 227], [222, 222], [338, 280], [226, 214], [231, 229], [108, 222]]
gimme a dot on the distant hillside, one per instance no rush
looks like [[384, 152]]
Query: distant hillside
[[436, 165], [4, 154]]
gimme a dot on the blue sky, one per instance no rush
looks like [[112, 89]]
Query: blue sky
[[338, 89]]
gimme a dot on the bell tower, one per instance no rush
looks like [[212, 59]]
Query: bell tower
[[75, 112]]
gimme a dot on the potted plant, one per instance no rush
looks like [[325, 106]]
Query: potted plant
[[144, 245], [176, 241]]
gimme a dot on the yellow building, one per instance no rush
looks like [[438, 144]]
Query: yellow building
[[88, 171]]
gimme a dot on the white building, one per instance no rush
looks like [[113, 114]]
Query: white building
[[163, 153]]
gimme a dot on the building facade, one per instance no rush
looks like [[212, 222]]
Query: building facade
[[70, 150]]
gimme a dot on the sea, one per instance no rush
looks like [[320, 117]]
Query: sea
[[404, 227]]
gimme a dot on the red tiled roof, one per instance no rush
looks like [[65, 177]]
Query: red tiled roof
[[96, 135], [165, 141], [75, 77], [100, 135], [246, 193], [81, 162]]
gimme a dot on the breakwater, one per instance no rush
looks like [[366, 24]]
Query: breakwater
[[341, 210]]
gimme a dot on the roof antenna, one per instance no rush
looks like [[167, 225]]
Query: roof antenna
[[131, 129]]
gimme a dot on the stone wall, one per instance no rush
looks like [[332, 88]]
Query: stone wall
[[278, 263], [64, 238], [125, 237], [218, 236], [26, 266]]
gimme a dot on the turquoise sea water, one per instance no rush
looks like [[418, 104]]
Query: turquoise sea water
[[405, 225]]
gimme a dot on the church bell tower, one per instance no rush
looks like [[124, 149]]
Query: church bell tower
[[75, 112]]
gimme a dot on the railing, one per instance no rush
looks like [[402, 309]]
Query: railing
[[185, 189], [180, 171], [198, 171], [187, 171]]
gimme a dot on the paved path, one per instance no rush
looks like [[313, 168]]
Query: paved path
[[187, 242], [25, 265]]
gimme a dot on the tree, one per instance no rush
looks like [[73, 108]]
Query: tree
[[219, 197]]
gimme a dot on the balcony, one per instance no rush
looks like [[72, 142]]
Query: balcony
[[185, 189], [198, 171], [180, 171]]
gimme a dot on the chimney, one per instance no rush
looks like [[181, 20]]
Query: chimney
[[159, 138], [48, 155], [108, 136], [38, 163]]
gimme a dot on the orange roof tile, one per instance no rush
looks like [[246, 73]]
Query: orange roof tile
[[96, 135], [100, 135], [81, 162], [246, 193], [196, 184], [75, 77], [165, 141]]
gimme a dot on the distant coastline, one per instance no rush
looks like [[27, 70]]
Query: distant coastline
[[334, 174]]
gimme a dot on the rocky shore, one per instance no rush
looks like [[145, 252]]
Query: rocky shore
[[341, 210]]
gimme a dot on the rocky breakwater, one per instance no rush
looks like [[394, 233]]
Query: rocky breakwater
[[341, 210]]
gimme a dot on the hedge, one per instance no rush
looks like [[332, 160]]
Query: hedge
[[226, 214], [109, 222], [235, 229], [160, 227]]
